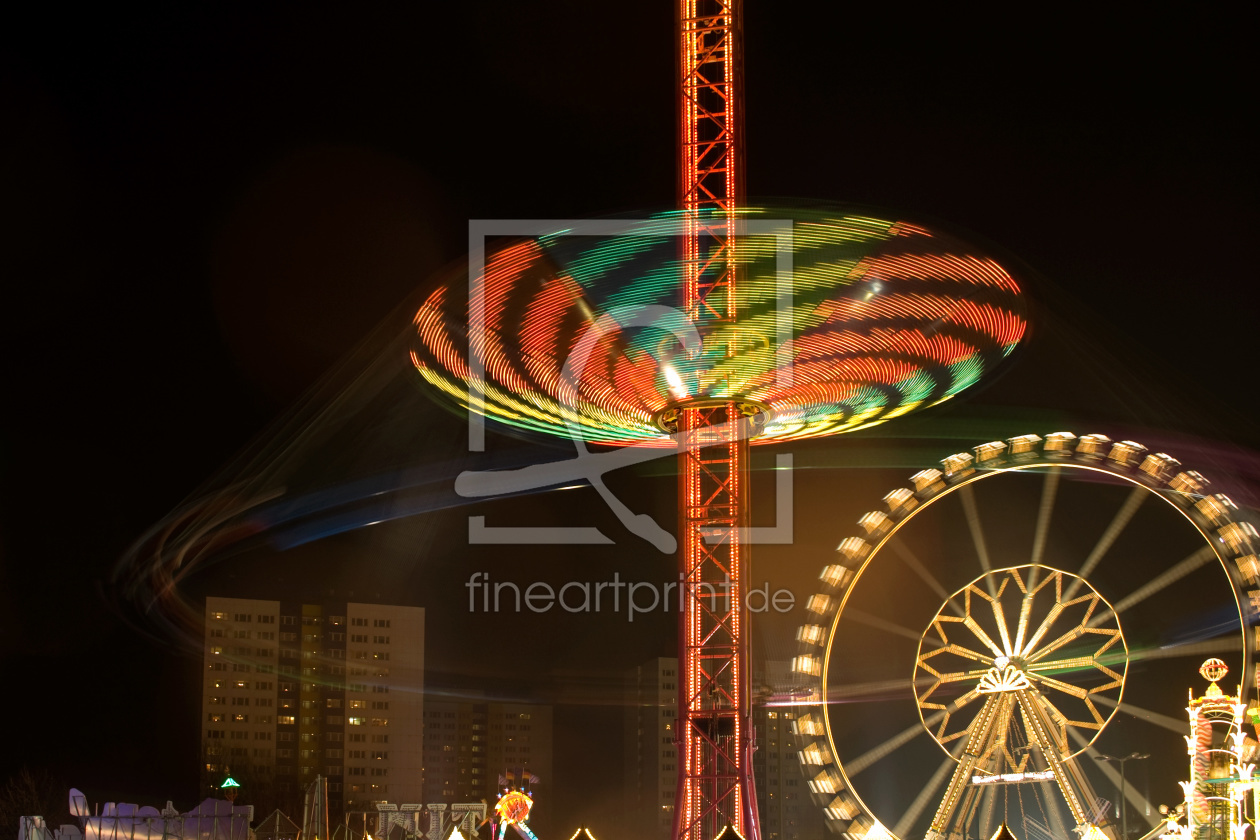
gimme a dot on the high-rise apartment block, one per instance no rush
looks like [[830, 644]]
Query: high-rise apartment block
[[786, 810], [651, 771], [470, 742], [293, 691]]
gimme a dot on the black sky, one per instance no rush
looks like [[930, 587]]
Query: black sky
[[203, 208]]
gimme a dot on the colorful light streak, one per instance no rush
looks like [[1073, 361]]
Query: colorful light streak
[[884, 317]]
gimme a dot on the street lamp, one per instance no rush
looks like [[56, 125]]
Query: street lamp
[[1124, 811]]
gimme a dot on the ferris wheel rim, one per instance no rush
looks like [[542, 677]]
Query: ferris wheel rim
[[1155, 483]]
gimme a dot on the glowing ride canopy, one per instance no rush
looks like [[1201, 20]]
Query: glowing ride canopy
[[585, 335]]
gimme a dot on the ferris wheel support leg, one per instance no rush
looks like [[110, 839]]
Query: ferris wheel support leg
[[1072, 783], [960, 792]]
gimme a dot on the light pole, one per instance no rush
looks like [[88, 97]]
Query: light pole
[[1124, 811]]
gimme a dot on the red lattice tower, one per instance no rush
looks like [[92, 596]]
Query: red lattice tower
[[714, 731]]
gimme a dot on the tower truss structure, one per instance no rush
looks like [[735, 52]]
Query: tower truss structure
[[714, 733]]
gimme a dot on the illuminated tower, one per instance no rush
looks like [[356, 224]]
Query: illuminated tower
[[571, 333], [1219, 777], [714, 734]]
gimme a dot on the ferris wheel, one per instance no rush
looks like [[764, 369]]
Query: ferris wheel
[[1003, 624]]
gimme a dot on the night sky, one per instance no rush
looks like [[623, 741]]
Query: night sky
[[204, 209]]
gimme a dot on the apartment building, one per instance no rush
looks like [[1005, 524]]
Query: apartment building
[[293, 691], [651, 770], [470, 742], [783, 801]]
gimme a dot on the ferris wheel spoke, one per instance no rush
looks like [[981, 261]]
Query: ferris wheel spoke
[[877, 690], [1058, 685], [951, 677], [905, 736], [1172, 724], [1231, 643], [1068, 637], [1048, 492], [977, 534], [971, 624], [861, 617], [916, 565], [926, 795], [1109, 536], [1026, 605], [1100, 662], [1168, 578], [959, 650]]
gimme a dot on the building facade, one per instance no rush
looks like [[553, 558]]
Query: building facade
[[293, 691], [787, 812], [471, 742], [651, 770]]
